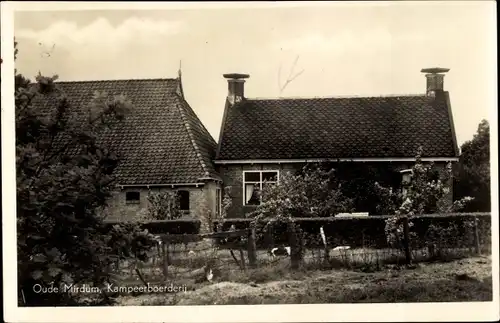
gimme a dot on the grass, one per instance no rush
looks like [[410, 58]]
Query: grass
[[458, 280]]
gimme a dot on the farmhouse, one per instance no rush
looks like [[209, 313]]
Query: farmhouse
[[162, 145], [261, 138]]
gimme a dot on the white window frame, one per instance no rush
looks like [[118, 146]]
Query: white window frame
[[260, 171], [405, 183]]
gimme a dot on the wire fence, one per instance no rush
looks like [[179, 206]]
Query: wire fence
[[235, 253]]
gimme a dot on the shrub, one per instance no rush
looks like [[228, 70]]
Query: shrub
[[424, 194], [164, 205], [307, 194]]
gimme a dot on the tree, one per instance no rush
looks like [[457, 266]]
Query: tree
[[424, 195], [306, 194], [64, 177], [473, 172]]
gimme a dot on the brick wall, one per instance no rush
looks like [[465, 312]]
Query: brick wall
[[202, 200], [232, 176]]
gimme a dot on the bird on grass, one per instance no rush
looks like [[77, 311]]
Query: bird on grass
[[209, 274]]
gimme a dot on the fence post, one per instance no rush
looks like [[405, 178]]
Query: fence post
[[295, 245], [268, 235], [242, 259], [406, 240], [326, 255], [326, 248], [477, 246], [252, 247], [165, 259]]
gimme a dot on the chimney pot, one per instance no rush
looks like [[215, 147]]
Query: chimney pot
[[435, 79], [236, 86]]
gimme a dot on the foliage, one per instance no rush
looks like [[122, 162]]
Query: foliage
[[164, 205], [424, 195], [473, 172], [357, 182], [448, 236], [306, 194], [64, 177], [128, 240]]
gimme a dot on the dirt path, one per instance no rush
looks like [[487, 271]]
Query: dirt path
[[462, 280]]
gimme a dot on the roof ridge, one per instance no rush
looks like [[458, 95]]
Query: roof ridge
[[335, 97], [191, 136], [121, 80]]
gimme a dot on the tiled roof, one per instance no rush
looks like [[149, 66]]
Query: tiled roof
[[161, 141], [330, 128]]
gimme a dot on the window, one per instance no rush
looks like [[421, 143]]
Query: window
[[254, 182], [218, 202], [184, 200], [132, 197], [406, 175]]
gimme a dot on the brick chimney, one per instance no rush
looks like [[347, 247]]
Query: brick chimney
[[236, 86], [435, 79]]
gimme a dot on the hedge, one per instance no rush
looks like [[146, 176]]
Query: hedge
[[364, 231], [187, 226], [347, 231]]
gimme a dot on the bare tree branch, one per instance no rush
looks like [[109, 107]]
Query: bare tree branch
[[293, 67], [279, 77], [291, 76]]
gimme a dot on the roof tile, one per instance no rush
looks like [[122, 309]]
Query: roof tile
[[356, 127], [161, 141]]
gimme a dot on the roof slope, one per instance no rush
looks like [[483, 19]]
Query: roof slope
[[355, 127], [161, 141]]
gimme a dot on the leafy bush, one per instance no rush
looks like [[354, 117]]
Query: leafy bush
[[473, 174], [129, 240], [64, 178], [164, 205], [368, 231], [424, 195], [306, 194]]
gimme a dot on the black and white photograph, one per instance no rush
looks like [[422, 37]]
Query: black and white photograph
[[177, 162]]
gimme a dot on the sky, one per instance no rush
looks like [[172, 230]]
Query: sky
[[339, 50]]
